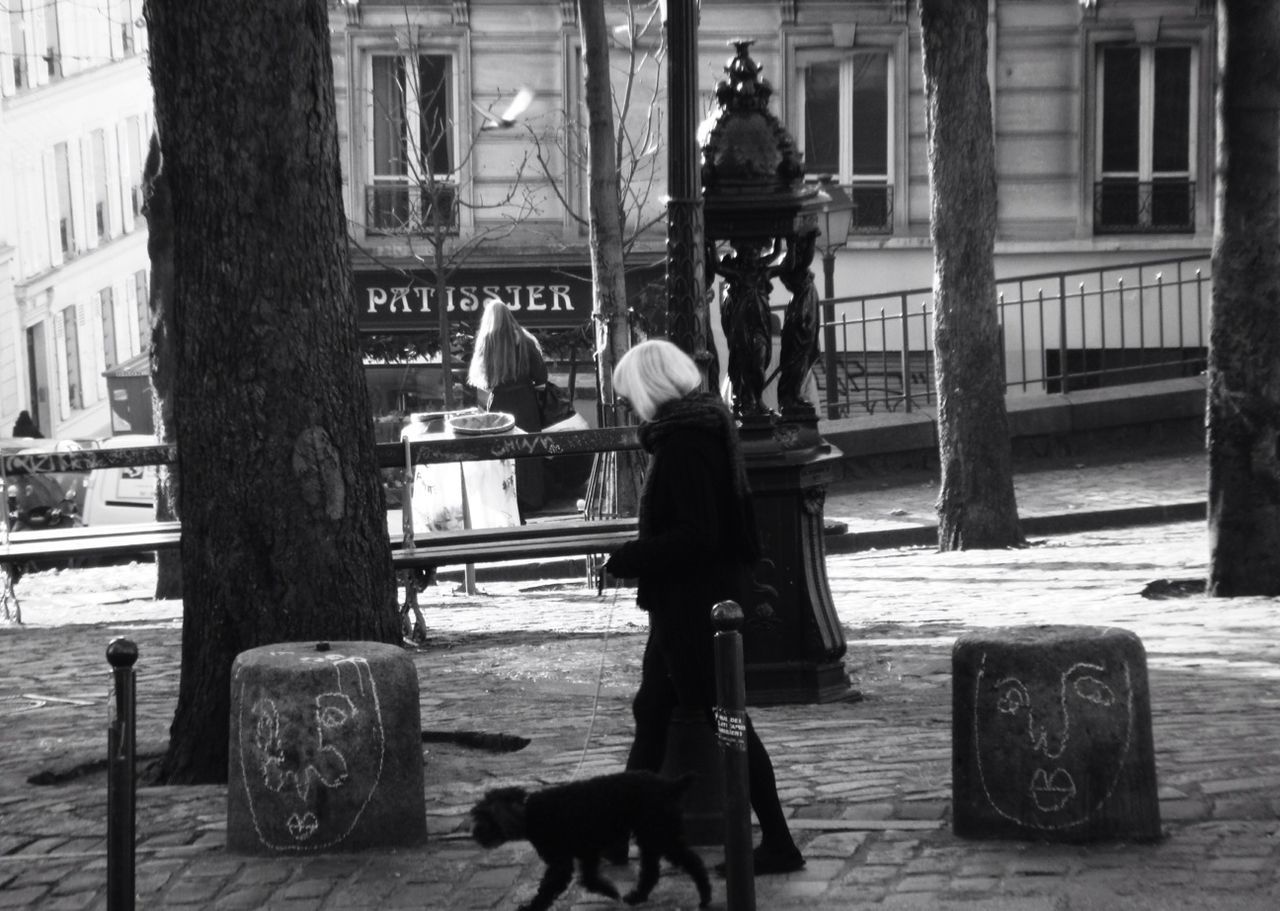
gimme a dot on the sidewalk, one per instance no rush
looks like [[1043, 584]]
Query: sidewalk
[[867, 784], [1095, 490]]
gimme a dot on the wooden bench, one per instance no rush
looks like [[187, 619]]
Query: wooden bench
[[536, 540], [557, 538], [541, 540]]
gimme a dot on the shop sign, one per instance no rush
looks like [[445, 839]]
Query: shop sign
[[390, 301]]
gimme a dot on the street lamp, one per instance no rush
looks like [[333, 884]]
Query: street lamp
[[837, 217]]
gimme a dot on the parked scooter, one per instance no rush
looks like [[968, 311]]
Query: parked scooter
[[39, 504]]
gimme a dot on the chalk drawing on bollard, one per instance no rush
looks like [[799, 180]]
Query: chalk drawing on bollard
[[1052, 735], [325, 749], [1087, 696], [298, 758]]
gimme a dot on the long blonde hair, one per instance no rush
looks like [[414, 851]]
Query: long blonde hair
[[504, 349]]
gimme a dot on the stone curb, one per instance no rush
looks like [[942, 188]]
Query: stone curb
[[1054, 524], [879, 539]]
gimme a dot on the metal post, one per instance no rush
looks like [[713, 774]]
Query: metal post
[[1062, 333], [686, 268], [10, 571], [829, 330], [731, 731], [411, 623], [121, 791], [905, 357]]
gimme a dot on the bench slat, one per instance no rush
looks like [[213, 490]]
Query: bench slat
[[492, 552], [519, 535], [80, 532], [388, 455], [101, 546], [478, 545]]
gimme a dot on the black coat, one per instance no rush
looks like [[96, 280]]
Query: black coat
[[697, 537]]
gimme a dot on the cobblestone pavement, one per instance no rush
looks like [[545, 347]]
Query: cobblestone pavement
[[867, 783]]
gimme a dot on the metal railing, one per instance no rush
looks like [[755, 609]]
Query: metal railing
[[872, 208], [1129, 206], [411, 208], [1061, 331]]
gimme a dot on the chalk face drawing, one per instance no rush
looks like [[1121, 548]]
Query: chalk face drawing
[[311, 763], [1051, 743]]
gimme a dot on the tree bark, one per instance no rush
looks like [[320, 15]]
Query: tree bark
[[976, 504], [1244, 339], [284, 531]]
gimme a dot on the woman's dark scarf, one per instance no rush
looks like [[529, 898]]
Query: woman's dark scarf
[[707, 413]]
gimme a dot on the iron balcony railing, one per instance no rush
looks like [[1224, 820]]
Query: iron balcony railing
[[872, 208], [1162, 206], [1061, 331], [416, 209]]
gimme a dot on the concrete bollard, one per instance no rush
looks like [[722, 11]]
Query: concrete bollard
[[1051, 735], [325, 749]]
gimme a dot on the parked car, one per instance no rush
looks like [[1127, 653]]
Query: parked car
[[127, 495]]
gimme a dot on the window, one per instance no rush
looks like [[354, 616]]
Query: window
[[18, 46], [1146, 140], [131, 164], [62, 181], [848, 132], [411, 187], [107, 307], [124, 17], [53, 42], [101, 185], [75, 395]]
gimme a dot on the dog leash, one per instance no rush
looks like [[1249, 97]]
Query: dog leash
[[595, 705]]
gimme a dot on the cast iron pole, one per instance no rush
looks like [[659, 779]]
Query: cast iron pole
[[121, 788], [686, 267], [829, 330]]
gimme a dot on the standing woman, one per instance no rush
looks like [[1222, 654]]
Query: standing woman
[[697, 544], [507, 364]]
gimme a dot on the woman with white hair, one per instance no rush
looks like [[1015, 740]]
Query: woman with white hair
[[696, 546]]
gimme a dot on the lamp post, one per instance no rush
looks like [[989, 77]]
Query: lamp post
[[837, 217], [686, 272]]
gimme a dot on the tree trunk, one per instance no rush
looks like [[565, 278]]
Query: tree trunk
[[284, 535], [976, 506], [1244, 340], [616, 476], [158, 209], [607, 264]]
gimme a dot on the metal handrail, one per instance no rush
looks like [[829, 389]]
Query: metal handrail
[[1061, 330]]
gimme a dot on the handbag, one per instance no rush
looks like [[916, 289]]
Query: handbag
[[554, 405]]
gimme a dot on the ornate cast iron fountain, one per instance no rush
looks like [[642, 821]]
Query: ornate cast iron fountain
[[761, 223]]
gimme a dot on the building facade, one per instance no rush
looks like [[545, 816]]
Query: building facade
[[75, 119], [1102, 117], [461, 124]]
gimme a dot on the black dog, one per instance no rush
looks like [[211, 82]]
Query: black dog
[[584, 819]]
